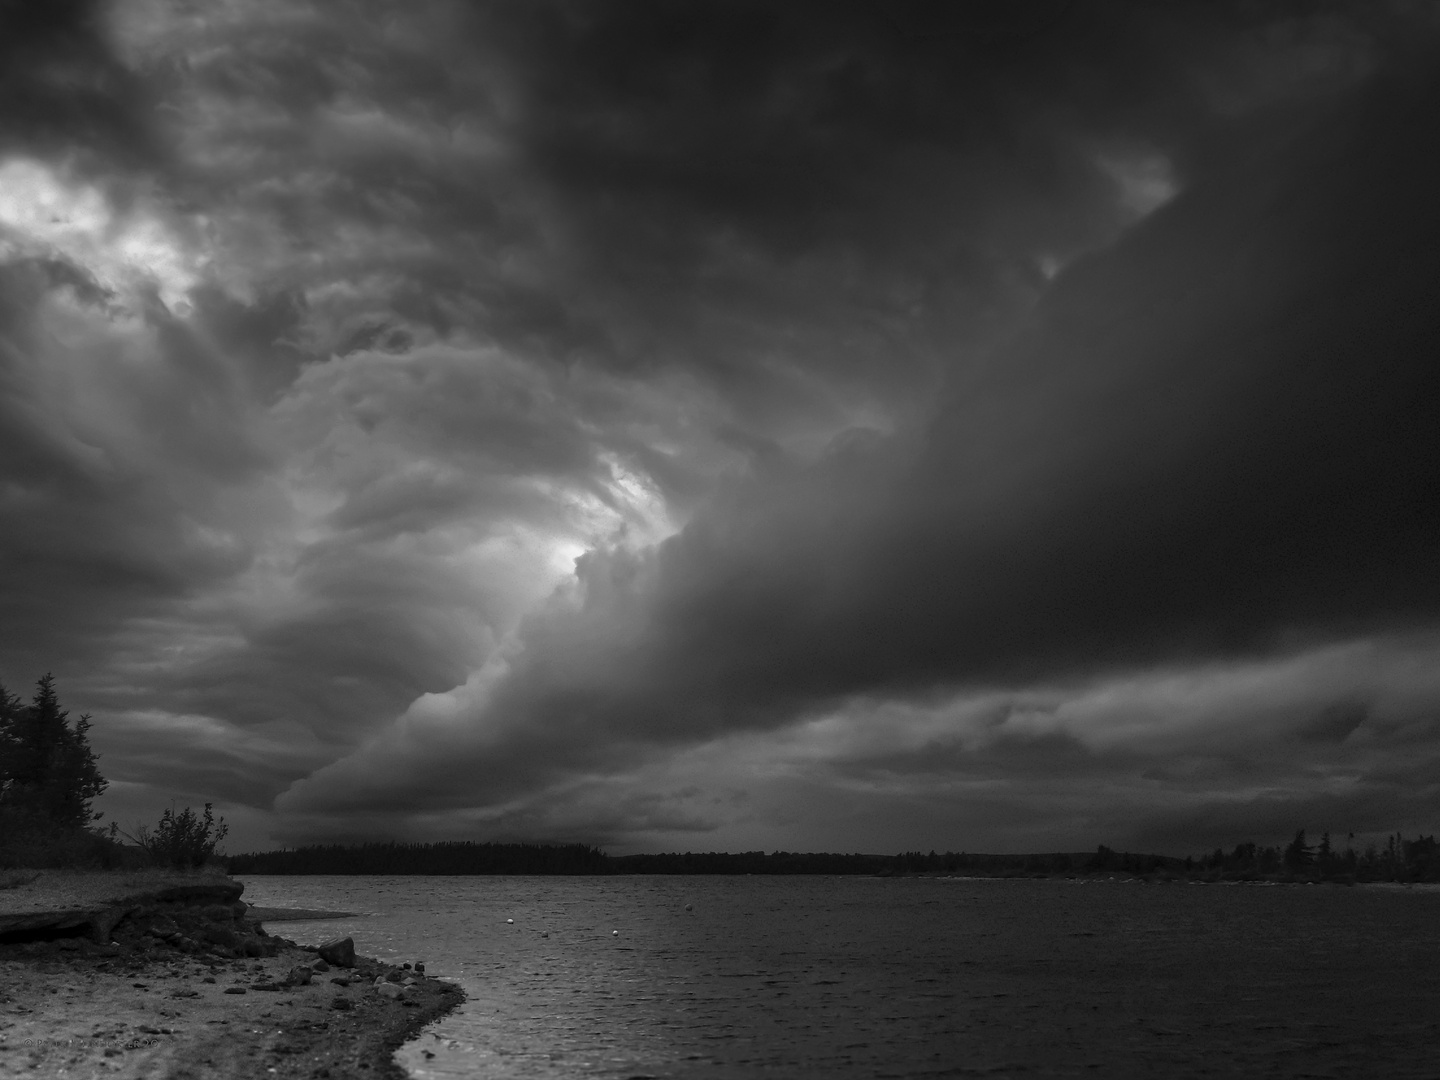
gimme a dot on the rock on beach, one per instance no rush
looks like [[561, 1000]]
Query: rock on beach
[[340, 952]]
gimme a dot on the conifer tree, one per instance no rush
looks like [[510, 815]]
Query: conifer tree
[[1299, 854], [10, 750], [47, 769]]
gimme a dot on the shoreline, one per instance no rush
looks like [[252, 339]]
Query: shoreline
[[203, 992]]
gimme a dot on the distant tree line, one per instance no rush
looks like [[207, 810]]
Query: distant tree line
[[1399, 860], [464, 857], [457, 857], [1042, 864], [905, 863], [479, 858], [751, 862]]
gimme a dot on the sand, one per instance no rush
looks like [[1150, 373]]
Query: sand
[[140, 1007]]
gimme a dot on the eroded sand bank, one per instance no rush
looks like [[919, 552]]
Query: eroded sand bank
[[142, 1006]]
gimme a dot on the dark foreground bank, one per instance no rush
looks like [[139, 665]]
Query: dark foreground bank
[[199, 990]]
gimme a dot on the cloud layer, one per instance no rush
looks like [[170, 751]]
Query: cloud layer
[[802, 426]]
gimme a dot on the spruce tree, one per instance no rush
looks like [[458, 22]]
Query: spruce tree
[[1299, 854], [47, 769], [10, 750]]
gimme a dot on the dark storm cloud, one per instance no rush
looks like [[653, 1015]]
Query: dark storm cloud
[[730, 175], [941, 148], [1212, 441], [89, 536], [162, 446], [333, 334], [1218, 431], [100, 524], [62, 89]]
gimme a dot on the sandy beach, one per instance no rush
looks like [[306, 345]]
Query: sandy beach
[[161, 999]]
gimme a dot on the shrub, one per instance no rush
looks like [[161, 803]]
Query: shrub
[[183, 839], [37, 843]]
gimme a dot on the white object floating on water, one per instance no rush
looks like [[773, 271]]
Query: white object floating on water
[[509, 921], [544, 933], [614, 933]]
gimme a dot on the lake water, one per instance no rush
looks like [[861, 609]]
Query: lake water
[[729, 977]]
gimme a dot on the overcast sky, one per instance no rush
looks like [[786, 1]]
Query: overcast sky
[[704, 426]]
